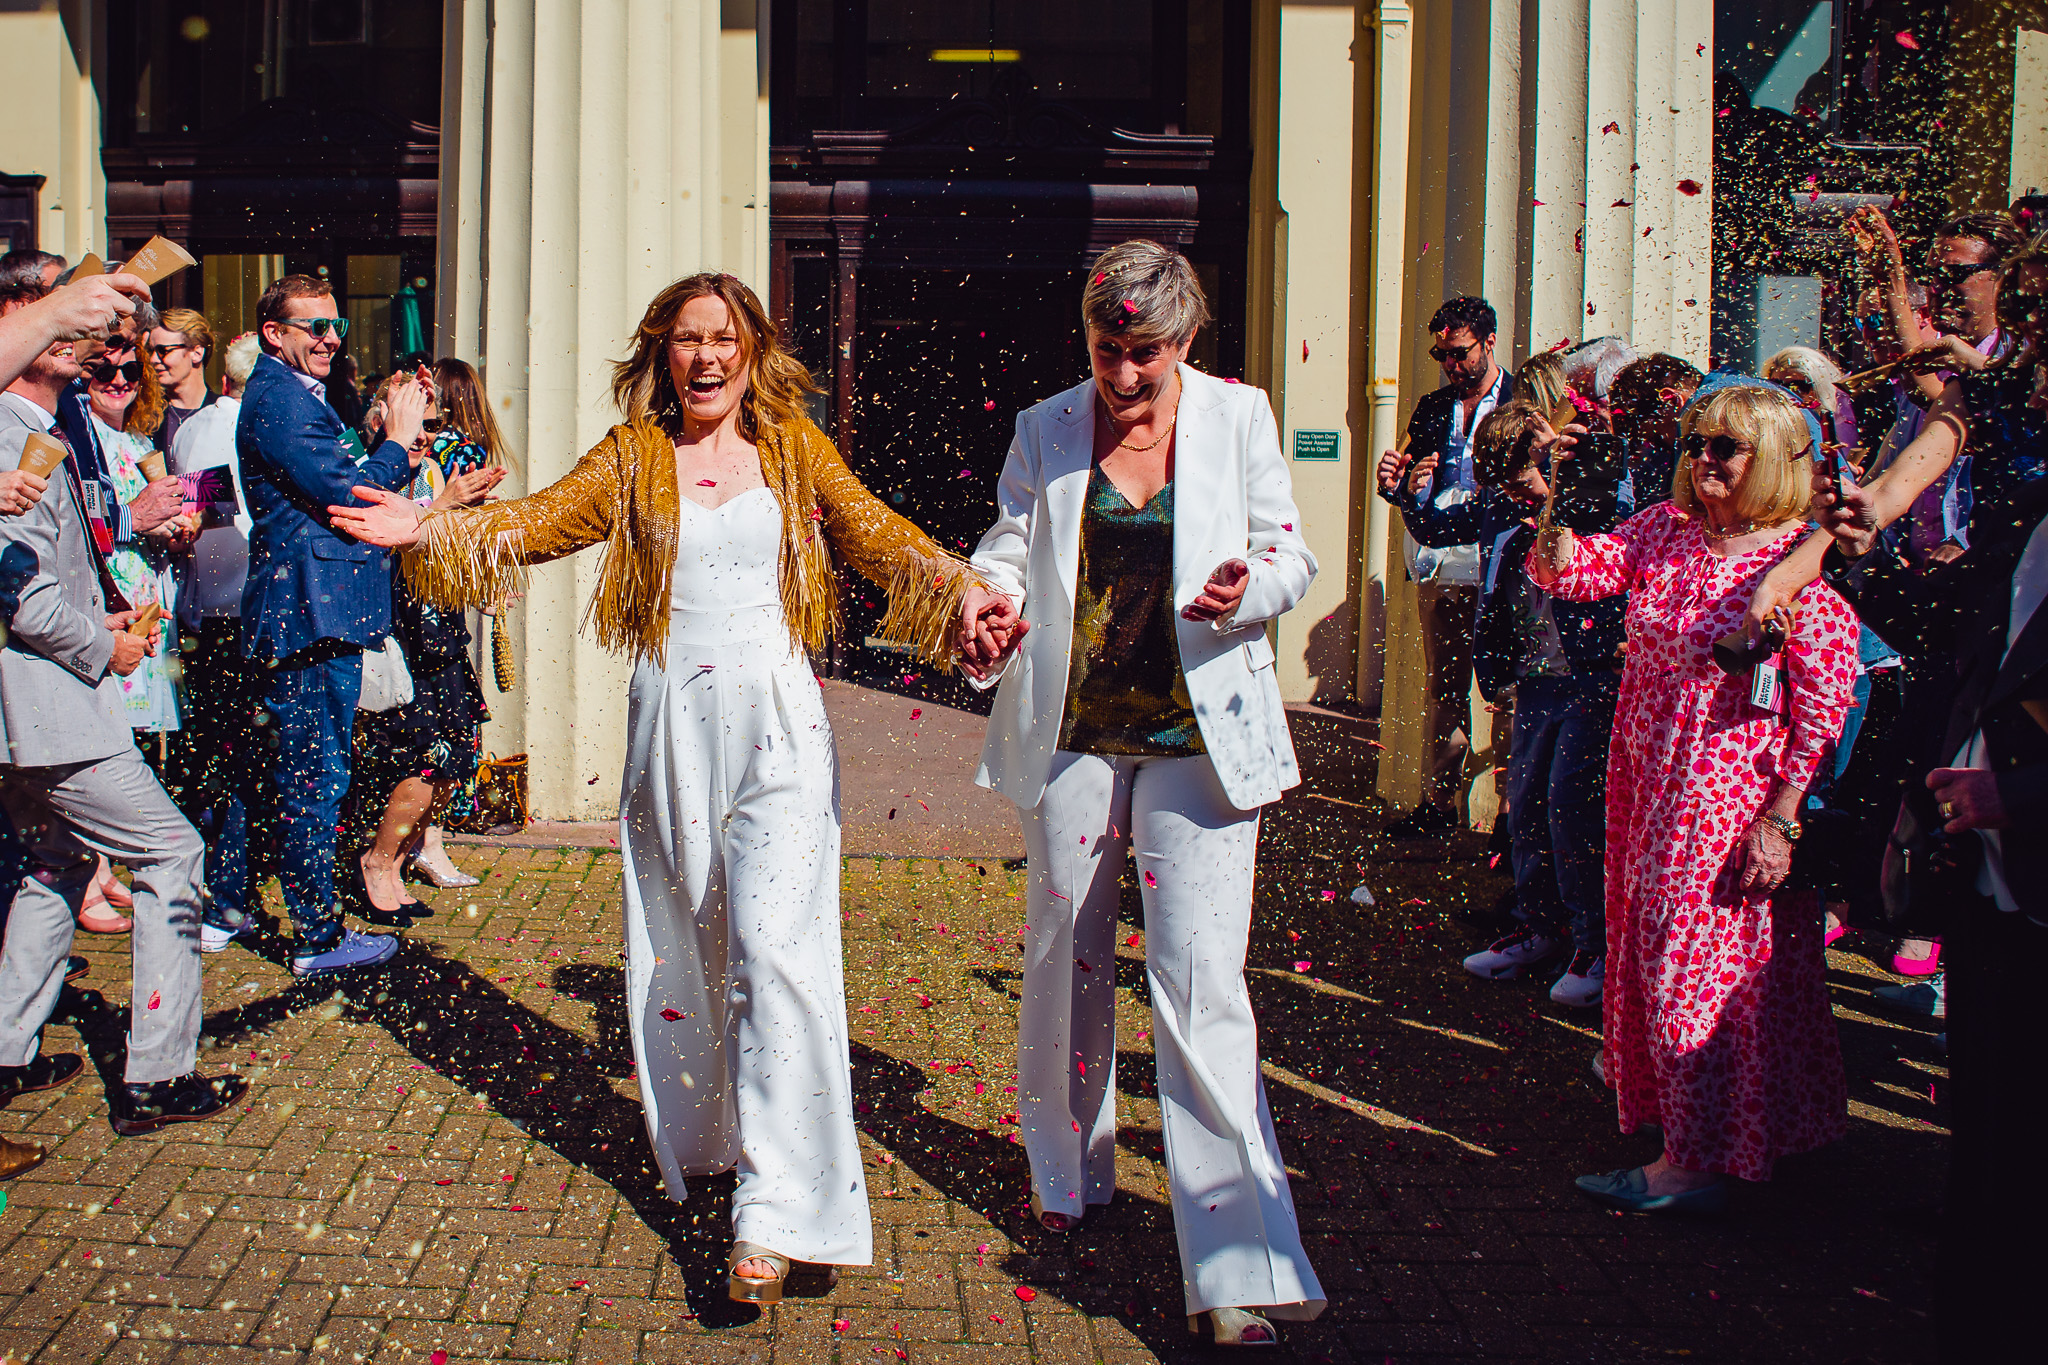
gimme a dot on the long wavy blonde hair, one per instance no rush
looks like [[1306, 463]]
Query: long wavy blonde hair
[[777, 382]]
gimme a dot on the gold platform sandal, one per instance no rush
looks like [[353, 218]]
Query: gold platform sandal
[[745, 1288], [1235, 1327]]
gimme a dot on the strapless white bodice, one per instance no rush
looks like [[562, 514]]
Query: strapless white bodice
[[726, 586]]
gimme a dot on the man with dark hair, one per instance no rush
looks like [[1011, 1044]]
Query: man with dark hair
[[1645, 401], [30, 266], [314, 598], [1436, 460]]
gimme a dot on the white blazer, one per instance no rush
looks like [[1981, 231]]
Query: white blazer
[[1232, 500]]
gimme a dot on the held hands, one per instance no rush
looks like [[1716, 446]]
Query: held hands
[[20, 490], [1968, 799], [990, 631], [1225, 588], [469, 488], [129, 650], [391, 520]]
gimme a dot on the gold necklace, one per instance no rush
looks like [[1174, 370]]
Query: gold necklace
[[1125, 443], [1742, 528]]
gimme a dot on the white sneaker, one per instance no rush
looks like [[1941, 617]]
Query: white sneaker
[[1581, 984], [212, 940], [1505, 957]]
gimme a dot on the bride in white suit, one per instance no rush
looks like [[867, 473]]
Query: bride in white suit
[[1147, 534]]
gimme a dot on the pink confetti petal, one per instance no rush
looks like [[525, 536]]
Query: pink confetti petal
[[1025, 1293]]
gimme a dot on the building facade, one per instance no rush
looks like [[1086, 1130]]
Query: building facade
[[916, 188]]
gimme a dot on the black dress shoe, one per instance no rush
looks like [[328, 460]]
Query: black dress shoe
[[1424, 822], [74, 968], [188, 1099], [45, 1072]]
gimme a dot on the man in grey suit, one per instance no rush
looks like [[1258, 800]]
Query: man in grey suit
[[74, 786]]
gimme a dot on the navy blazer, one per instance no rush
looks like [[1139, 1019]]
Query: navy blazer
[[306, 582], [1590, 633]]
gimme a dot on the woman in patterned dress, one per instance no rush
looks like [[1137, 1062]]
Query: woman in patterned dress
[[1717, 1021], [413, 758]]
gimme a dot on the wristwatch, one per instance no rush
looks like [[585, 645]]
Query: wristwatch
[[1789, 828]]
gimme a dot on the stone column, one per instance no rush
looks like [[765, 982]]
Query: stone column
[[584, 159]]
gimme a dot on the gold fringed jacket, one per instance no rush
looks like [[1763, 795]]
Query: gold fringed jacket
[[623, 493]]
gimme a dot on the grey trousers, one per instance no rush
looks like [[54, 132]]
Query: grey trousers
[[65, 815]]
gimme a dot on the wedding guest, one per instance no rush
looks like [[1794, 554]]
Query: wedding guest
[[1146, 529], [412, 758], [314, 599], [74, 786], [722, 510], [178, 349], [1717, 1023]]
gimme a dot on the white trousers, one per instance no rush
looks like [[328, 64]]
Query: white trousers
[[734, 988], [1240, 1243]]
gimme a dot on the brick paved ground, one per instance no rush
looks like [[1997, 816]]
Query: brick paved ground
[[451, 1160]]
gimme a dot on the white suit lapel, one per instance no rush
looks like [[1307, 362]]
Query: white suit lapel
[[1195, 454], [1069, 460]]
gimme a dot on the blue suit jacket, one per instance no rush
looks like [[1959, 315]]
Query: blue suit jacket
[[307, 583]]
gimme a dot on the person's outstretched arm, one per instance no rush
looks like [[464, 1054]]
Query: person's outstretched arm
[[1852, 517], [463, 557]]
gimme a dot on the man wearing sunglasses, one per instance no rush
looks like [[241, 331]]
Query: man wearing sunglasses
[[177, 348], [314, 598], [1435, 464]]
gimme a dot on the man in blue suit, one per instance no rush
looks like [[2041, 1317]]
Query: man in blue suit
[[315, 599]]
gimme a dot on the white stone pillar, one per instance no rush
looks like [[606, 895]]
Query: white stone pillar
[[587, 147], [1392, 57]]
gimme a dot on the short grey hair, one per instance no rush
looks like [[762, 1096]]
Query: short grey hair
[[240, 357], [1146, 292], [1592, 367]]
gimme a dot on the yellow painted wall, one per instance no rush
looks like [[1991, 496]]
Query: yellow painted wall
[[52, 121]]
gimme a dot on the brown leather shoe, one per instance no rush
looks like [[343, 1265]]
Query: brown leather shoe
[[16, 1157]]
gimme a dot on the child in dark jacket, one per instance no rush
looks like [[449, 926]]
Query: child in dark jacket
[[1560, 663]]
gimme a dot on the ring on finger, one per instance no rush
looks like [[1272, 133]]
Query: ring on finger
[[1948, 810]]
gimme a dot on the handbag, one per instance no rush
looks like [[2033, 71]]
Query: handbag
[[499, 798], [387, 682], [1926, 871]]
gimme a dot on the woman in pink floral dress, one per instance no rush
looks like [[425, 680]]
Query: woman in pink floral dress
[[1717, 1020]]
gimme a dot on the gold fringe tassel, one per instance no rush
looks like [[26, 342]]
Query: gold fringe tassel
[[454, 568], [925, 593]]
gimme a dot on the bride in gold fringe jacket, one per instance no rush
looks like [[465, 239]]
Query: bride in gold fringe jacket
[[721, 508]]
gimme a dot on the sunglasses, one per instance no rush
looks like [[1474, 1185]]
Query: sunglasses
[[319, 327], [1952, 276], [430, 425], [106, 370], [1724, 449], [159, 352], [1445, 354]]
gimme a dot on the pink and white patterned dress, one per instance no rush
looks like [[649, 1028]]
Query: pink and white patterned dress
[[1717, 1019]]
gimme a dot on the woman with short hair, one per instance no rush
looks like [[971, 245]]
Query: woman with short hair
[[1147, 529], [1717, 1021], [721, 509]]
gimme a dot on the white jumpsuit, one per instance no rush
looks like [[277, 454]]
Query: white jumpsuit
[[729, 820]]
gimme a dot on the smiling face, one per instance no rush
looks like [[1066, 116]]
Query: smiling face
[[1962, 292], [1131, 373], [707, 362], [295, 345], [110, 389], [173, 356]]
